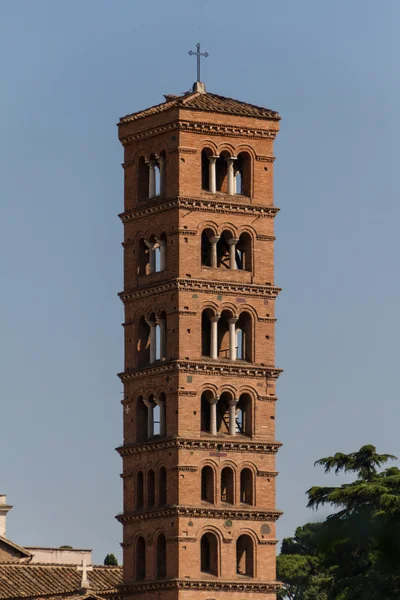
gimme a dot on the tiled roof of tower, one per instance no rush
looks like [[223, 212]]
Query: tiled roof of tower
[[42, 580], [206, 102]]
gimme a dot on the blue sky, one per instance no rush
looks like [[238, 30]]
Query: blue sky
[[69, 70]]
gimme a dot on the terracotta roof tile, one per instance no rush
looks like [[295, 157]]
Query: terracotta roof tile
[[208, 103], [45, 581]]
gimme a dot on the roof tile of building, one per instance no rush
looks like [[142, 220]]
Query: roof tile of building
[[206, 102], [44, 581], [7, 542]]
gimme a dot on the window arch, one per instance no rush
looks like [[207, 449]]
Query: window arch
[[143, 179], [223, 415], [143, 260], [243, 174], [224, 333], [206, 317], [207, 398], [246, 486], [223, 252], [162, 486], [139, 490], [151, 488], [245, 556], [143, 343], [141, 420], [209, 554], [140, 559], [207, 484], [208, 248], [221, 169], [244, 333], [206, 154], [227, 489], [243, 252], [244, 415], [161, 554]]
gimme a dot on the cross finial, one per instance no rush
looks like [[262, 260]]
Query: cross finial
[[85, 583], [198, 54]]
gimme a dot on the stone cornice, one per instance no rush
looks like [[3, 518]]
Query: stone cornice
[[203, 367], [216, 584], [226, 288], [234, 514], [203, 127], [226, 205], [213, 444]]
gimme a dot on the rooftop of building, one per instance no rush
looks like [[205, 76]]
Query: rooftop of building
[[201, 100], [43, 580]]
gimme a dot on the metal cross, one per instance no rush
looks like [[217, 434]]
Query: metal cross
[[84, 568], [198, 54]]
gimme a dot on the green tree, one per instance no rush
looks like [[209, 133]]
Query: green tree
[[111, 561]]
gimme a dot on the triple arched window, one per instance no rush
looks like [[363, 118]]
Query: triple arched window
[[230, 491], [226, 173], [226, 251], [226, 335], [225, 414], [156, 489]]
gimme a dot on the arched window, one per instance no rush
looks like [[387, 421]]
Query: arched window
[[223, 412], [160, 251], [222, 172], [224, 335], [209, 554], [143, 343], [162, 404], [243, 174], [161, 554], [161, 336], [206, 317], [150, 489], [246, 487], [141, 420], [206, 398], [207, 485], [245, 556], [140, 559], [244, 415], [244, 330], [205, 169], [143, 179], [139, 490], [223, 252], [227, 492], [208, 248], [162, 163], [143, 259], [156, 420], [243, 252], [162, 486]]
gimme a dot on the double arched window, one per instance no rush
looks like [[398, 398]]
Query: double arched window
[[155, 494], [226, 251], [150, 416], [226, 173], [152, 254], [226, 336], [151, 176], [151, 339]]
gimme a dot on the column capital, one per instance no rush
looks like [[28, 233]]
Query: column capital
[[149, 403], [215, 318], [152, 163], [160, 242], [233, 401], [230, 159], [212, 158], [232, 241], [233, 320], [214, 239], [151, 323], [213, 400]]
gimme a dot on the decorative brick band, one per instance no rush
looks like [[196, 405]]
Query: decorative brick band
[[226, 206], [207, 585]]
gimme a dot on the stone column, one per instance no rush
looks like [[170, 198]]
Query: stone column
[[232, 416], [163, 254], [231, 175], [161, 404], [232, 338], [214, 241], [163, 338], [212, 175], [152, 256], [232, 252], [152, 177], [213, 415], [161, 162], [214, 337], [150, 417], [153, 341]]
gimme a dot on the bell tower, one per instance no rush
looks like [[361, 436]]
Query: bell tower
[[199, 376]]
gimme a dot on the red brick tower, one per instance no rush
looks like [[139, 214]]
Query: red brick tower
[[199, 378]]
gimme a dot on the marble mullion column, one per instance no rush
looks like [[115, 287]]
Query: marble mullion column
[[153, 341], [163, 254], [231, 175], [232, 416], [161, 162], [232, 252], [214, 337], [232, 338], [152, 256], [161, 404], [213, 415], [152, 177], [213, 259], [212, 173], [150, 417], [163, 338]]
